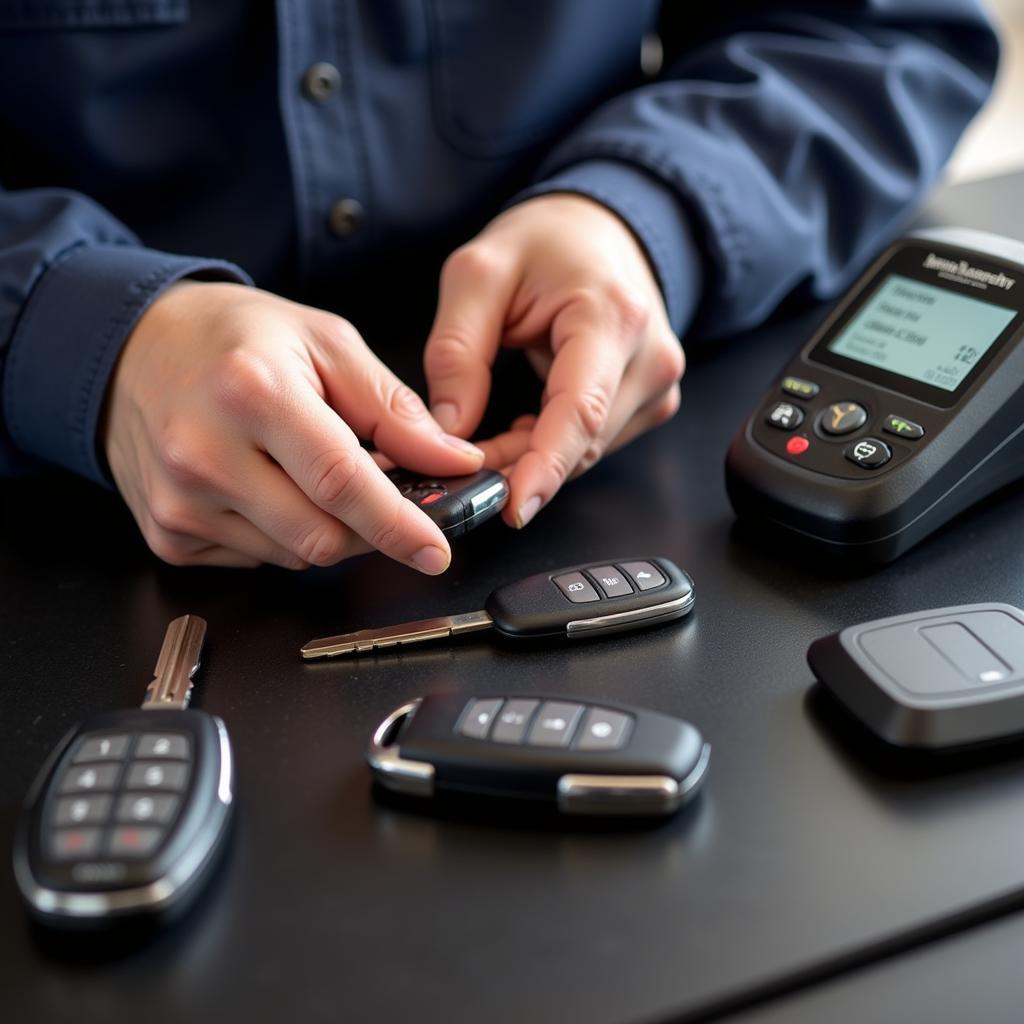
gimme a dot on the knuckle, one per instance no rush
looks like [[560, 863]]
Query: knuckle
[[169, 512], [337, 478], [180, 458], [668, 406], [448, 352], [590, 457], [337, 332], [386, 535], [167, 548], [671, 364], [322, 544], [631, 307], [472, 262], [591, 408], [245, 381], [558, 463], [405, 403]]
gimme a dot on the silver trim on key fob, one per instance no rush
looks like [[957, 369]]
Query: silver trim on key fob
[[666, 612], [395, 772]]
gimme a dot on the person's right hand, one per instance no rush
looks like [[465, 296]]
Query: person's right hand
[[232, 430]]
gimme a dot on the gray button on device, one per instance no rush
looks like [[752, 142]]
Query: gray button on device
[[611, 581], [135, 841], [554, 724], [75, 843], [139, 808], [101, 747], [576, 587], [645, 575], [157, 775], [82, 810], [89, 778], [513, 720], [603, 729], [172, 745], [478, 718]]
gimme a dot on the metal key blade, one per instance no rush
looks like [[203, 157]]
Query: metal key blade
[[390, 636], [179, 658]]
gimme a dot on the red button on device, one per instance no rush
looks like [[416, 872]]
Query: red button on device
[[797, 445]]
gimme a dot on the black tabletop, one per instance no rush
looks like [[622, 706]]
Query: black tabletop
[[811, 850]]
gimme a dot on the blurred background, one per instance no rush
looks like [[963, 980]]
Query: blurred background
[[994, 143]]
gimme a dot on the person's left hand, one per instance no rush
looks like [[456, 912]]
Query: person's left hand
[[564, 278]]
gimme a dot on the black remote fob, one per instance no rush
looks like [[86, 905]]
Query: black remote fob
[[130, 811], [578, 756], [456, 503]]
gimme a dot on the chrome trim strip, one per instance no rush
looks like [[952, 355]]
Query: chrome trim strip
[[391, 769], [669, 609], [227, 767], [493, 498], [617, 794]]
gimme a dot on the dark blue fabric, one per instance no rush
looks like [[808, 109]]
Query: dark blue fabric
[[780, 145]]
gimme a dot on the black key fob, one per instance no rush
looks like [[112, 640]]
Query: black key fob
[[577, 756], [126, 818], [456, 503]]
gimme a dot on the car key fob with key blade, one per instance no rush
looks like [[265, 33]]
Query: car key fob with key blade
[[576, 602], [456, 503], [581, 757], [128, 815]]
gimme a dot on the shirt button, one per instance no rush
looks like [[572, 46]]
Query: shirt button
[[345, 217], [320, 82]]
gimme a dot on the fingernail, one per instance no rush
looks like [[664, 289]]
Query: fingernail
[[462, 445], [527, 511], [446, 414], [433, 561]]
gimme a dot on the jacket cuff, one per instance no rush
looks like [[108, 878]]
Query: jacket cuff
[[69, 335], [655, 215]]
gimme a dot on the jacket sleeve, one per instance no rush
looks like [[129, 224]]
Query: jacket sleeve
[[73, 283], [784, 146]]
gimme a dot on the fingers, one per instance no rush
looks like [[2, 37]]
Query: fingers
[[379, 407], [318, 450], [476, 290], [507, 448], [594, 341]]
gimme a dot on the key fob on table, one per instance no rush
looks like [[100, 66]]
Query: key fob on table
[[128, 815], [573, 603], [456, 503], [944, 677], [581, 757]]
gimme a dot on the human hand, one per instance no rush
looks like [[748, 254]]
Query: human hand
[[562, 277], [232, 431]]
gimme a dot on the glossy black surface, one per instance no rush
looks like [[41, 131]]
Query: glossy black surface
[[811, 847]]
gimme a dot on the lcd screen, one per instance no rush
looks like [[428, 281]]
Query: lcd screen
[[922, 332]]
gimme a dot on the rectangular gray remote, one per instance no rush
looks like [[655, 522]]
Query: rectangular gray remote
[[946, 677]]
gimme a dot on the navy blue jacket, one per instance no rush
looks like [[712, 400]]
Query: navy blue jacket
[[141, 141]]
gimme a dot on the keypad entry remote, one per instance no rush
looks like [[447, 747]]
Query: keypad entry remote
[[578, 756], [577, 602], [127, 816]]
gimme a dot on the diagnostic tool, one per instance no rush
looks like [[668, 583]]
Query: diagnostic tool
[[904, 408], [947, 677], [578, 756], [456, 503]]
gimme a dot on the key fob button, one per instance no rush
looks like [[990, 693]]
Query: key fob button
[[513, 721], [101, 747], [478, 717], [135, 841], [157, 775], [82, 810], [90, 778], [576, 587], [172, 745], [555, 724], [141, 808], [603, 730], [75, 843], [611, 581], [869, 452], [645, 575]]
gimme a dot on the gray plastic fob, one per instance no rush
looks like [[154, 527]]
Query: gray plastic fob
[[945, 677]]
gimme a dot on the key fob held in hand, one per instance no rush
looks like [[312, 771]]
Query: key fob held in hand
[[578, 756], [456, 503], [128, 816], [940, 678]]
